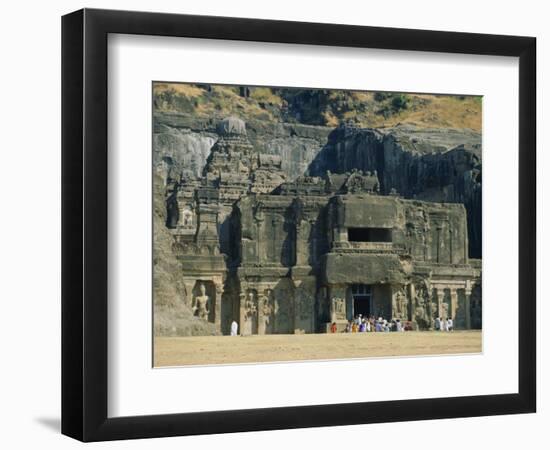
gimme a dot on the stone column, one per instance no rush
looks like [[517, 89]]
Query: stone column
[[454, 299], [258, 221], [467, 316], [242, 311], [264, 311], [429, 308], [218, 306], [261, 321], [440, 293], [411, 301], [303, 228]]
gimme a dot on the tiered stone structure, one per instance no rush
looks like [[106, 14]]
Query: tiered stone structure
[[282, 256]]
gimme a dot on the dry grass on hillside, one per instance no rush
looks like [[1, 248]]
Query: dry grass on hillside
[[188, 90], [442, 111], [367, 109]]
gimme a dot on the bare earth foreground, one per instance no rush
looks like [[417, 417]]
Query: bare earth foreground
[[203, 350]]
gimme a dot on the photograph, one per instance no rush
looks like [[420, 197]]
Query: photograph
[[264, 225], [303, 224]]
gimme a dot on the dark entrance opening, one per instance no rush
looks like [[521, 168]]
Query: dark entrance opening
[[369, 234], [361, 305], [362, 300]]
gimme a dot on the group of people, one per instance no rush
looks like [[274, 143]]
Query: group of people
[[441, 324], [362, 324]]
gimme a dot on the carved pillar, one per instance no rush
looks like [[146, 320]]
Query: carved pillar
[[451, 248], [467, 316], [301, 245], [261, 318], [274, 238], [218, 306], [258, 221], [430, 312], [242, 311], [438, 248], [259, 218], [264, 311], [440, 293], [454, 299], [411, 302]]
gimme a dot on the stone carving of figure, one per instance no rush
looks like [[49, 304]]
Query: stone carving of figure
[[202, 301], [420, 312], [266, 309], [187, 218], [399, 304], [337, 309], [404, 305], [355, 183], [250, 306]]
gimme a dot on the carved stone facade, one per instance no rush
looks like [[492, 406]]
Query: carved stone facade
[[282, 256]]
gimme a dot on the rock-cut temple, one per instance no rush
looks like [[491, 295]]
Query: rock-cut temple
[[293, 256]]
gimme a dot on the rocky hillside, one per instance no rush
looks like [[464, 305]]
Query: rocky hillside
[[319, 106]]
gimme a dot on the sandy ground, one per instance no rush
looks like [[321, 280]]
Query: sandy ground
[[181, 351]]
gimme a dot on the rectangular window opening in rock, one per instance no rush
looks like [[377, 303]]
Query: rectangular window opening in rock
[[370, 234]]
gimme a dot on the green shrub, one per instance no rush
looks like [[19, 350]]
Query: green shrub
[[400, 101], [381, 96]]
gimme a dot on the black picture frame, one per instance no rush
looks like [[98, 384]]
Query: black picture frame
[[84, 224]]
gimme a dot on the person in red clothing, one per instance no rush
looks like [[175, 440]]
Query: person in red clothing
[[333, 327]]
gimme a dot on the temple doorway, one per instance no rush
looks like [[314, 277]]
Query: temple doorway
[[362, 300]]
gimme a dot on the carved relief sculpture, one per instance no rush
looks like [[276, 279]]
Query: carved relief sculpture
[[202, 303], [337, 309], [266, 309]]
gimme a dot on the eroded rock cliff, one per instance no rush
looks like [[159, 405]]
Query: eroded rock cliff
[[172, 315]]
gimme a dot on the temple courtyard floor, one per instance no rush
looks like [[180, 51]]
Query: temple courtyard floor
[[206, 350]]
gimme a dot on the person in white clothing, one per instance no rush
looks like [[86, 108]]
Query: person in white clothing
[[234, 328], [450, 324]]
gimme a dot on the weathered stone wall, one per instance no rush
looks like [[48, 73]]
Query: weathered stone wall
[[280, 233], [278, 260], [173, 315], [433, 165], [441, 165], [182, 142]]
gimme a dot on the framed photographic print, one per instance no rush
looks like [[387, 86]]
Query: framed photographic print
[[274, 224]]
